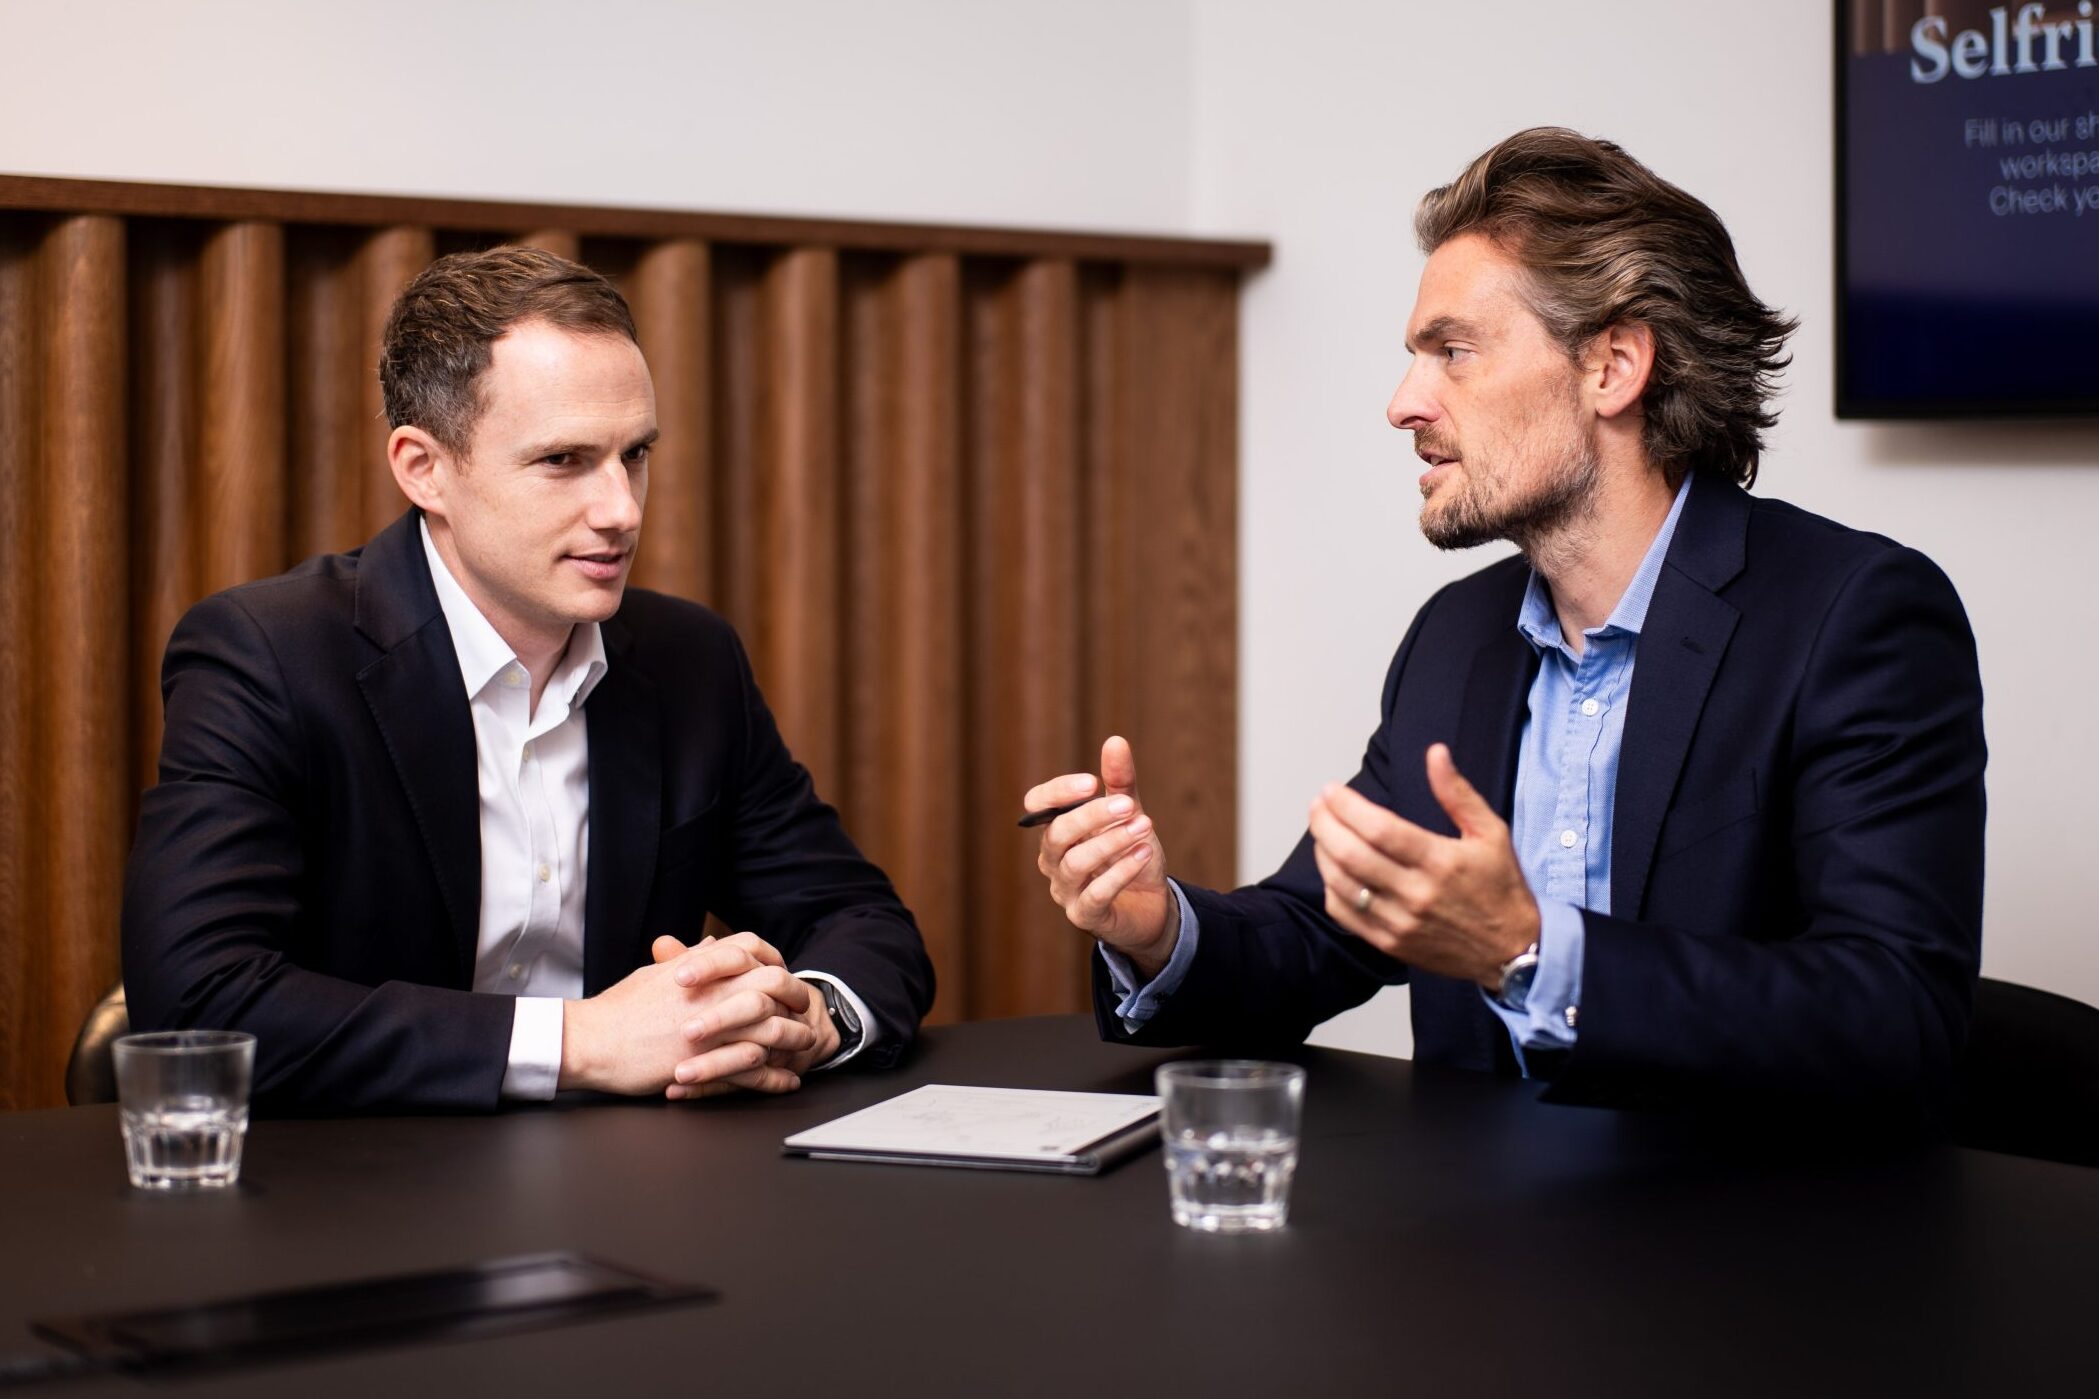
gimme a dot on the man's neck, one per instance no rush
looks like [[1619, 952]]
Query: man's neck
[[539, 650], [1588, 563]]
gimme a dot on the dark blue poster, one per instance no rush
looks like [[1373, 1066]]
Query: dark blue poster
[[1968, 208]]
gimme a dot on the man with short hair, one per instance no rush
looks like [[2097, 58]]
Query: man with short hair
[[440, 820], [1683, 802]]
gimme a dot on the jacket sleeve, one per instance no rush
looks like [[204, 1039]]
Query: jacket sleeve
[[1866, 996], [213, 904], [799, 882]]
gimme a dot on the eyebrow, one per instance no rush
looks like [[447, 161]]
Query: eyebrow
[[552, 449], [1442, 328]]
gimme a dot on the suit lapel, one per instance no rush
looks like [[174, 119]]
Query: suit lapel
[[1488, 742], [419, 702], [626, 798], [1686, 634]]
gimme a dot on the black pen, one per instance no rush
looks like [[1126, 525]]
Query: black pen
[[1049, 814]]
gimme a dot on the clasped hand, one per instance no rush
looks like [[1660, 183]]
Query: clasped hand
[[1456, 907], [722, 1014]]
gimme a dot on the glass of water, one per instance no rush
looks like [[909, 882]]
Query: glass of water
[[183, 1097], [1231, 1142]]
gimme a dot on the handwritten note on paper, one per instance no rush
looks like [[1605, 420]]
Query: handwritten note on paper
[[947, 1120]]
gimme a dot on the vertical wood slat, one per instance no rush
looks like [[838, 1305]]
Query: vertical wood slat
[[21, 986], [388, 262], [327, 439], [1025, 656], [671, 292], [558, 241], [83, 783], [240, 441], [163, 420], [904, 731], [799, 520]]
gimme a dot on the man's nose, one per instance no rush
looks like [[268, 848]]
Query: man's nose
[[1411, 406], [616, 503]]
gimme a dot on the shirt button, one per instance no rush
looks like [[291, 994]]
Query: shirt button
[[1589, 707], [1567, 839], [546, 874], [516, 970]]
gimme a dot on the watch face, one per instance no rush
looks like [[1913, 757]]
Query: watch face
[[1516, 982]]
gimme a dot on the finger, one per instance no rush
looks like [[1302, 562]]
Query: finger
[[767, 1080], [735, 1057], [1119, 766], [1341, 893], [1460, 800], [665, 949], [1093, 901], [1085, 862], [711, 962], [1397, 838], [1359, 863], [758, 947], [1089, 821], [1059, 791]]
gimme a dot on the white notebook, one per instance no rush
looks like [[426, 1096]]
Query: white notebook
[[1000, 1129]]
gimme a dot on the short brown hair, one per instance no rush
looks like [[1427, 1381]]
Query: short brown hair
[[1606, 242], [439, 333]]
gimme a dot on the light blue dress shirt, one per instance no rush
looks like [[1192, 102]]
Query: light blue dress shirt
[[1566, 779]]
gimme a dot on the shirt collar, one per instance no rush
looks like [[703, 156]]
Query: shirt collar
[[484, 655], [1540, 625]]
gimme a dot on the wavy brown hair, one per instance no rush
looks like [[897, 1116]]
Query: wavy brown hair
[[1605, 241], [440, 333]]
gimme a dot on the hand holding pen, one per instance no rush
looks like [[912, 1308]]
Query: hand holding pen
[[1103, 859]]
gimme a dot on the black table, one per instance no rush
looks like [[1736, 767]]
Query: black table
[[1449, 1234]]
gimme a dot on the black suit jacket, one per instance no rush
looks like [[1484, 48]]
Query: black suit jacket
[[1796, 848], [308, 867]]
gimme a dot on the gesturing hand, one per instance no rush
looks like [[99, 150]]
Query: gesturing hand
[[1455, 907], [1104, 863]]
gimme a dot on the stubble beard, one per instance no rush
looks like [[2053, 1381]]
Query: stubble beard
[[1547, 520]]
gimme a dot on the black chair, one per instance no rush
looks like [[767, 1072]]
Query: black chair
[[91, 1071], [2029, 1084]]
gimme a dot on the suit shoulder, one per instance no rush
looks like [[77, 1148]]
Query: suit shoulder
[[674, 629], [314, 596], [1824, 555]]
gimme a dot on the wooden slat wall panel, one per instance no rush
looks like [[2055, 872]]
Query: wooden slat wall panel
[[24, 1081], [971, 512], [1162, 526], [80, 793]]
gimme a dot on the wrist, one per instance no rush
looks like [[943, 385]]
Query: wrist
[[578, 1064], [1152, 959]]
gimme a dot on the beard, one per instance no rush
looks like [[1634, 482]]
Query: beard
[[1486, 509]]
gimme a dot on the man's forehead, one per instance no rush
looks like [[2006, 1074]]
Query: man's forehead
[[1470, 287]]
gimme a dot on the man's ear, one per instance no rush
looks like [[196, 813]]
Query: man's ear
[[421, 467], [1620, 362]]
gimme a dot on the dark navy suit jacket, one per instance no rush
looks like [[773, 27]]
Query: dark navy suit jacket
[[309, 866], [1797, 842]]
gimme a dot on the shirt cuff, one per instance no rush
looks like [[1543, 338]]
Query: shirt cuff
[[1548, 1017], [534, 1070], [867, 1022], [1140, 1003]]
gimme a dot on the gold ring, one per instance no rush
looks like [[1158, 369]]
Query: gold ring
[[1363, 898]]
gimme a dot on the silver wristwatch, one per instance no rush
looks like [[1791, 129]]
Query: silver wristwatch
[[1517, 974]]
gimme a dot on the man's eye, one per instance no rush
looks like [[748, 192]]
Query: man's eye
[[1451, 352], [559, 459], [637, 456]]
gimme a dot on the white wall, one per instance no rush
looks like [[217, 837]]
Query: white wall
[[1067, 114], [1316, 124]]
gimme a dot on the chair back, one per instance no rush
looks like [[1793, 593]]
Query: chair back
[[2029, 1084], [91, 1071]]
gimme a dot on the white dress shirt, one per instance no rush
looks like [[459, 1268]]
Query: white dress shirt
[[533, 769]]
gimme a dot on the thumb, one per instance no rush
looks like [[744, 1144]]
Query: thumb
[[1118, 767], [1460, 800], [665, 949]]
